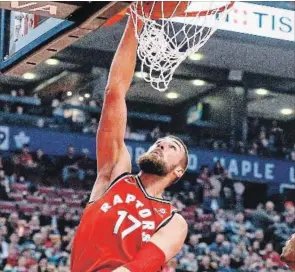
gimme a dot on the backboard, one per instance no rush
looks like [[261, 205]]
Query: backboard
[[31, 32]]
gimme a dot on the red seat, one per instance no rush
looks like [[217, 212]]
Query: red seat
[[16, 196], [82, 194], [73, 203], [19, 187], [35, 199], [27, 209], [66, 192], [46, 190], [7, 206], [54, 201]]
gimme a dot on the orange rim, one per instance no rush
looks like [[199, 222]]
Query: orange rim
[[121, 14]]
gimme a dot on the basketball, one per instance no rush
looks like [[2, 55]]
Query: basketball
[[161, 9], [154, 10]]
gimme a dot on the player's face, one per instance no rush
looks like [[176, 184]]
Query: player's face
[[163, 157]]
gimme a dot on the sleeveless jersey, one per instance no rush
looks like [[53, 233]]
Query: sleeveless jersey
[[114, 228]]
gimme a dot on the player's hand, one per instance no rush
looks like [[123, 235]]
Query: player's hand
[[121, 269], [288, 254]]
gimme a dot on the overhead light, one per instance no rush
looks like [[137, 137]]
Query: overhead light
[[29, 75], [87, 95], [52, 61], [287, 111], [141, 74], [69, 93], [172, 95], [196, 56], [199, 82], [81, 98], [261, 91]]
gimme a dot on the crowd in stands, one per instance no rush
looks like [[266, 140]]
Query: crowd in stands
[[37, 222], [264, 138]]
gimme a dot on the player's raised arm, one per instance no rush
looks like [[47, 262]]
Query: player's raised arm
[[112, 156]]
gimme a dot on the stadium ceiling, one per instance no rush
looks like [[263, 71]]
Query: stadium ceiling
[[260, 62]]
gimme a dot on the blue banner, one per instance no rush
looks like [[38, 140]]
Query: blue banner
[[244, 167]]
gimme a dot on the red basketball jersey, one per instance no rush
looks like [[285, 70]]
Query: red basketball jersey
[[114, 228]]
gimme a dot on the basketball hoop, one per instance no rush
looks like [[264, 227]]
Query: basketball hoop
[[172, 31]]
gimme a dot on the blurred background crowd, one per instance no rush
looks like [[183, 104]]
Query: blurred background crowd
[[42, 198]]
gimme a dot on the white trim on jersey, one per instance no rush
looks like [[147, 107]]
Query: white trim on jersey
[[147, 195]]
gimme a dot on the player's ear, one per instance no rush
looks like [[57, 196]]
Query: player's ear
[[178, 172]]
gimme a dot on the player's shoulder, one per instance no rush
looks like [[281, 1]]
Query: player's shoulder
[[179, 220], [177, 224]]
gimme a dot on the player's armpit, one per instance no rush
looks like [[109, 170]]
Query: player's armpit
[[171, 237]]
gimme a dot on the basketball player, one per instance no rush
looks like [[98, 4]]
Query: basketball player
[[288, 254], [127, 225]]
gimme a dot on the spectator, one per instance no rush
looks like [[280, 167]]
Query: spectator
[[20, 110], [258, 240], [254, 150], [224, 265], [21, 92], [155, 133], [30, 261], [43, 163], [87, 165], [12, 223], [193, 243], [189, 262], [5, 186], [235, 226], [254, 128], [25, 159], [42, 264], [219, 246], [3, 246], [2, 164], [276, 139], [236, 260], [292, 155], [219, 171], [21, 266], [206, 265], [264, 143], [204, 188], [69, 165], [241, 237], [13, 93], [270, 208]]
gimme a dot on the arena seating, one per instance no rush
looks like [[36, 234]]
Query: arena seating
[[35, 219]]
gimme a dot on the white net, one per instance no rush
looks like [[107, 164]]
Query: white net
[[165, 42]]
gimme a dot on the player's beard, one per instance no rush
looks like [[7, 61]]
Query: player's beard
[[150, 164]]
